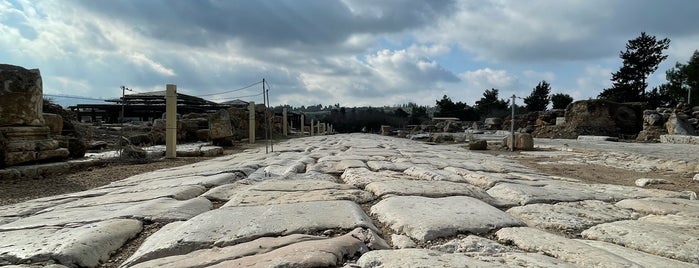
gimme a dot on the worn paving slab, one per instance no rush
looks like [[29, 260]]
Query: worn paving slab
[[417, 258], [570, 217], [639, 257], [671, 236], [360, 177], [569, 250], [161, 209], [428, 189], [432, 174], [296, 250], [77, 245], [663, 206], [293, 191], [232, 225], [336, 167], [425, 219]]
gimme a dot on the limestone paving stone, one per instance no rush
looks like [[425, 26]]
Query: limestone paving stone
[[671, 236], [387, 165], [428, 189], [639, 257], [550, 192], [417, 258], [402, 241], [482, 179], [473, 244], [336, 167], [293, 191], [266, 251], [233, 225], [570, 216], [360, 177], [161, 209], [130, 195], [78, 245], [521, 259], [531, 239], [425, 219], [662, 206], [431, 174]]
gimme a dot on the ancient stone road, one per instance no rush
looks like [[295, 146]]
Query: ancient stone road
[[358, 201]]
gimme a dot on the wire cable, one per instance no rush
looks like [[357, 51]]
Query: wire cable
[[239, 97], [73, 97], [234, 90]]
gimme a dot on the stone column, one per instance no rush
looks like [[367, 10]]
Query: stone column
[[24, 136], [171, 121], [251, 131], [312, 122], [303, 125], [285, 128]]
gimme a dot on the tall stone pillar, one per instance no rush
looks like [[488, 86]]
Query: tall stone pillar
[[285, 127], [251, 130], [24, 137], [303, 125], [312, 121], [170, 121]]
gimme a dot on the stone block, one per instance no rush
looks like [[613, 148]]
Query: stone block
[[54, 122], [523, 141], [21, 96]]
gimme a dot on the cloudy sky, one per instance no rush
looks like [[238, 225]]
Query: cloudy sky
[[351, 52]]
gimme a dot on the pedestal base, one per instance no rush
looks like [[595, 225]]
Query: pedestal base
[[26, 144]]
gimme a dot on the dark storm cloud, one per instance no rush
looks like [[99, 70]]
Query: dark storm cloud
[[267, 23]]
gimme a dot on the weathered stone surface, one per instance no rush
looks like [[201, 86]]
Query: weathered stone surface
[[663, 206], [596, 138], [232, 225], [523, 141], [21, 95], [293, 191], [54, 122], [336, 167], [417, 258], [478, 145], [679, 139], [679, 126], [79, 245], [648, 181], [473, 244], [360, 177], [161, 209], [432, 174], [402, 241], [387, 165], [294, 250], [641, 258], [424, 218], [520, 259], [672, 236], [484, 180], [427, 189], [570, 217], [220, 128], [569, 250]]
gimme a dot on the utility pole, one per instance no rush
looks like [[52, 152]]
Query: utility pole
[[123, 99], [512, 125]]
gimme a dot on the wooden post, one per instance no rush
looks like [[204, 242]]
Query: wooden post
[[251, 131], [171, 121]]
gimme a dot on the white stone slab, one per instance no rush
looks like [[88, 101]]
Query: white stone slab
[[428, 189], [425, 218], [531, 239], [662, 206], [417, 258], [570, 217], [550, 192], [639, 257], [233, 225], [432, 174], [336, 167], [296, 250], [387, 165], [272, 192], [360, 177], [78, 245], [473, 244], [482, 179], [161, 209], [670, 236]]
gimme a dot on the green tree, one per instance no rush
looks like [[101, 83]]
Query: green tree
[[447, 108], [560, 100], [539, 99], [401, 113], [418, 115], [641, 58], [680, 79], [490, 105]]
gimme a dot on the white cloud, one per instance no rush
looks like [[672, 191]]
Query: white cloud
[[592, 82], [488, 78]]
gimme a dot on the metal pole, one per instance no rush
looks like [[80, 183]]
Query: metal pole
[[512, 125], [123, 99]]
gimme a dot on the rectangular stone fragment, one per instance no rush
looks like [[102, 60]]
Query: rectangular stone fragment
[[417, 258], [569, 250], [663, 206], [425, 218], [232, 225], [360, 177], [570, 217], [639, 257], [671, 236], [428, 189], [545, 192], [272, 192], [80, 245]]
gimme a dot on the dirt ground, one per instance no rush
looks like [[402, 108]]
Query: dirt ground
[[603, 174]]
